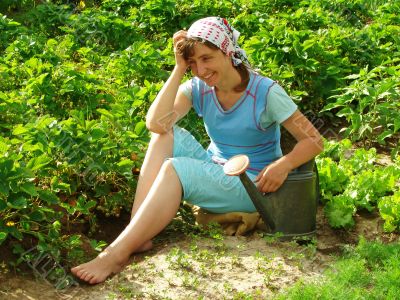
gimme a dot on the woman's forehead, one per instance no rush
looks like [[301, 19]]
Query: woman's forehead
[[200, 49]]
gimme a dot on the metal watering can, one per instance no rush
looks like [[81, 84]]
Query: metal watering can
[[292, 209]]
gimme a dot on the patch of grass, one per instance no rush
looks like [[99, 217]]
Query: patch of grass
[[245, 296], [371, 270], [177, 259]]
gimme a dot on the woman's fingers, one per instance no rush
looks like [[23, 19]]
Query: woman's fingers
[[268, 187], [268, 182], [178, 36]]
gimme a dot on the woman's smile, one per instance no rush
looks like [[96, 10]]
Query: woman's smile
[[208, 78]]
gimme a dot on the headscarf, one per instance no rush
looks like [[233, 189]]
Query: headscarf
[[219, 32]]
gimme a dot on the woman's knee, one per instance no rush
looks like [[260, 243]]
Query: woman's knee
[[168, 169]]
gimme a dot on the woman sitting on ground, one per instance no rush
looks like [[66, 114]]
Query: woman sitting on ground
[[242, 113]]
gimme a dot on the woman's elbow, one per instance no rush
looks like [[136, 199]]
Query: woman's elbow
[[156, 128]]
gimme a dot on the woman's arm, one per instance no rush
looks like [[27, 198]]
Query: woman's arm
[[309, 144], [170, 104], [309, 141]]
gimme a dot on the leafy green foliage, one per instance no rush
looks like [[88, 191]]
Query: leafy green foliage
[[77, 78], [370, 103], [389, 208], [371, 268], [355, 182]]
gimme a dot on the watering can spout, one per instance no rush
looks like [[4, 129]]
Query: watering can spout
[[236, 166]]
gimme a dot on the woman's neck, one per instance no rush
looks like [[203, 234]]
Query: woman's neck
[[231, 80]]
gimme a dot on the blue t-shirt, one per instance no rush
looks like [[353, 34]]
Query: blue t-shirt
[[250, 126], [278, 109]]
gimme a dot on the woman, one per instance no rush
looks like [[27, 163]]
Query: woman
[[242, 112]]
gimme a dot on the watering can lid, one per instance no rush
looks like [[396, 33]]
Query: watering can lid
[[236, 165]]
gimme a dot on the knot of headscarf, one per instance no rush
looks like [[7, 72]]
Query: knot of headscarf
[[219, 32]]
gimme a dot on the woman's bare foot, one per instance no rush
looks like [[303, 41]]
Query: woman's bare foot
[[145, 247], [98, 269], [105, 264]]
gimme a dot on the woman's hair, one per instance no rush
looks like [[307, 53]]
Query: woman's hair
[[186, 49]]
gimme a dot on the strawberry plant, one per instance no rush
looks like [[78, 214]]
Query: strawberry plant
[[77, 78]]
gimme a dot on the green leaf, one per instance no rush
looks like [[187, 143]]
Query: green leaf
[[333, 70], [125, 163], [29, 188], [17, 202], [105, 113], [90, 204], [396, 124], [37, 216], [6, 166], [20, 129], [344, 112], [70, 209], [49, 197], [4, 189], [384, 135], [39, 162], [15, 232], [286, 74], [56, 225], [3, 236], [339, 211], [140, 127], [102, 190], [97, 133], [53, 234], [3, 204], [3, 147]]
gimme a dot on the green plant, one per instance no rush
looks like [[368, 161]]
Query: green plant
[[371, 268], [370, 103], [78, 78], [389, 208], [355, 182]]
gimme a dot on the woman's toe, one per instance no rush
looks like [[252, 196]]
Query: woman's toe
[[87, 276], [94, 280], [77, 271]]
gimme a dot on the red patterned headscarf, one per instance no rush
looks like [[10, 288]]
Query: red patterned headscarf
[[218, 31]]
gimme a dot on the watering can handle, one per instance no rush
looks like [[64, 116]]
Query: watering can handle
[[236, 166]]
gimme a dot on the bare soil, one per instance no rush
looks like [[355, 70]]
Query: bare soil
[[203, 268]]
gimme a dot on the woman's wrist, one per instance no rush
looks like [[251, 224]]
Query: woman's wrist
[[286, 163], [180, 70]]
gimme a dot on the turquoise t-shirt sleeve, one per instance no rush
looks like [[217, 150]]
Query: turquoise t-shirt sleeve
[[279, 107], [186, 89]]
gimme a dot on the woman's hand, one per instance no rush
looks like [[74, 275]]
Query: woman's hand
[[273, 176], [177, 39]]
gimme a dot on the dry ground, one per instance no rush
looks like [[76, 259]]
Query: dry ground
[[202, 268]]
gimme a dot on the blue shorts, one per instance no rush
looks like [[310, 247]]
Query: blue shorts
[[203, 181]]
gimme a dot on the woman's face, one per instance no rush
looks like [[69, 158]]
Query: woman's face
[[209, 64]]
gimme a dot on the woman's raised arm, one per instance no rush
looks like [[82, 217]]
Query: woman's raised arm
[[170, 104]]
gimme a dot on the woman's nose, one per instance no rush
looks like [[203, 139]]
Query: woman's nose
[[201, 69]]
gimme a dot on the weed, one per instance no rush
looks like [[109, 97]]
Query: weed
[[189, 280], [371, 268], [177, 259]]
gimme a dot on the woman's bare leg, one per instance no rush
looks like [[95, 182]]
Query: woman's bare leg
[[156, 211], [160, 147]]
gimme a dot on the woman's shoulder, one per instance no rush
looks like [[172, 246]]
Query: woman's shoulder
[[193, 83], [261, 81]]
